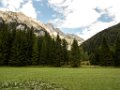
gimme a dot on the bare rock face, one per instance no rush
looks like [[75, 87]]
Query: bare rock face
[[23, 21], [69, 37]]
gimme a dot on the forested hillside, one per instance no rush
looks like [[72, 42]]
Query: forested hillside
[[104, 48], [22, 47]]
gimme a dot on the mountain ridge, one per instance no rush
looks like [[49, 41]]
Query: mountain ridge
[[18, 17], [110, 34]]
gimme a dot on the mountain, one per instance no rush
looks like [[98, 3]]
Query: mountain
[[110, 34], [23, 21]]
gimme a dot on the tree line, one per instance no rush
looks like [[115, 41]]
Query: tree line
[[106, 55], [23, 48], [104, 48]]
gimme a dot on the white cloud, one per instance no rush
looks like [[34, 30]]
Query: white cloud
[[29, 10], [39, 0], [82, 13], [94, 28], [24, 6], [54, 2], [12, 5], [75, 13]]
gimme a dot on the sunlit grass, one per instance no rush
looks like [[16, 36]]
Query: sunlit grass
[[70, 78]]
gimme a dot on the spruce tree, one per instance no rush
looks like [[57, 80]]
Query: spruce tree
[[18, 50], [43, 53], [95, 57], [75, 54], [58, 52], [105, 54], [29, 45], [39, 45], [52, 53], [65, 52], [5, 45], [35, 53], [117, 53], [49, 46]]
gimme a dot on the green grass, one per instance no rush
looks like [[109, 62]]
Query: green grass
[[71, 78]]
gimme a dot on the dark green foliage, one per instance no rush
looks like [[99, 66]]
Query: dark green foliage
[[52, 52], [58, 52], [43, 53], [110, 34], [105, 54], [102, 55], [103, 48], [22, 48], [93, 58], [35, 53], [117, 53], [19, 50], [5, 46], [84, 55], [29, 46], [75, 54], [65, 58]]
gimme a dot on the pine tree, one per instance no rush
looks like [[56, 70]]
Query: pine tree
[[65, 52], [5, 45], [105, 54], [84, 55], [18, 52], [29, 46], [95, 57], [75, 54], [52, 53], [58, 52], [35, 53], [117, 53], [43, 53], [49, 46]]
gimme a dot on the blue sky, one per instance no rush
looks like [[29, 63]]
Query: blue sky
[[44, 11], [81, 17]]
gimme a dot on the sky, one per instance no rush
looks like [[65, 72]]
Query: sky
[[84, 18]]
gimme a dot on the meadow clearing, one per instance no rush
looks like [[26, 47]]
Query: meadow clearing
[[98, 78]]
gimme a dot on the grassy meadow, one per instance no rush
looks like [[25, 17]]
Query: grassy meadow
[[69, 78]]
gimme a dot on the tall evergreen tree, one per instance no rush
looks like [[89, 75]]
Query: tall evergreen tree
[[65, 52], [95, 57], [105, 54], [5, 45], [75, 54], [84, 55], [22, 47], [29, 45], [52, 53], [117, 53], [49, 46], [43, 53], [35, 53], [58, 52], [18, 56]]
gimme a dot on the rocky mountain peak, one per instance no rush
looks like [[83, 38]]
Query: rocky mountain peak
[[21, 20]]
